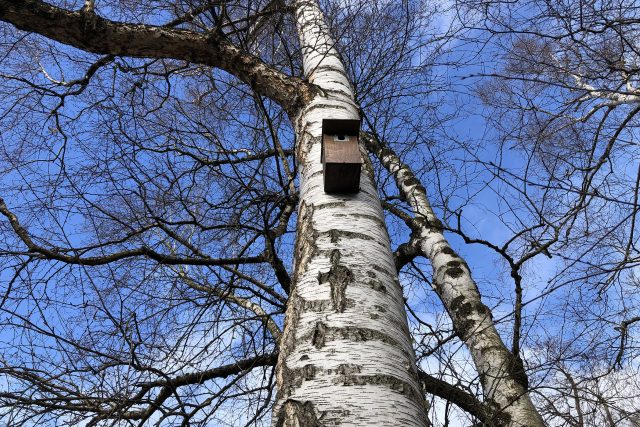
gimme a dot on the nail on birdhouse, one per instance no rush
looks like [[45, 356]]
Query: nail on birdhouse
[[341, 162]]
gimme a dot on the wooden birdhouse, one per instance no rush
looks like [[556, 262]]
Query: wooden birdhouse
[[341, 162]]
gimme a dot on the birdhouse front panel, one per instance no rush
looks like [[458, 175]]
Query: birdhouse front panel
[[341, 159]]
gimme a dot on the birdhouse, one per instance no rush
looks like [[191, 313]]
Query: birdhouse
[[341, 162]]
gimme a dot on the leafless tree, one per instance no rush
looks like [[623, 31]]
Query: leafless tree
[[169, 256]]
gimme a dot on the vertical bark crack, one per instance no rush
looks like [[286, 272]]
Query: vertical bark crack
[[295, 413]]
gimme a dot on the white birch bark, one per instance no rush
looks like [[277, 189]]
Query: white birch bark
[[501, 373], [346, 356]]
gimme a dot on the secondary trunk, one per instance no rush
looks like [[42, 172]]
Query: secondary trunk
[[501, 373], [345, 356]]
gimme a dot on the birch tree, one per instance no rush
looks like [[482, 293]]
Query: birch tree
[[158, 159]]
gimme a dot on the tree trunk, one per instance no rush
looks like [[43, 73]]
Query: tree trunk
[[345, 356]]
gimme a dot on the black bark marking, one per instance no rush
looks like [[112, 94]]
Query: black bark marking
[[313, 107], [513, 367], [499, 417], [329, 68], [347, 369], [411, 181], [331, 205], [373, 218], [335, 235], [453, 269], [318, 335], [390, 381], [321, 305], [339, 277], [382, 270], [322, 333], [380, 308], [461, 309], [308, 372], [349, 374], [448, 251], [377, 286], [424, 222]]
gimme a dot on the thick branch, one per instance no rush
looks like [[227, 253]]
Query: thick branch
[[460, 398], [93, 33], [168, 386], [406, 253], [60, 254], [219, 372], [54, 395]]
